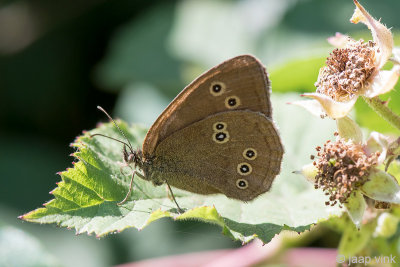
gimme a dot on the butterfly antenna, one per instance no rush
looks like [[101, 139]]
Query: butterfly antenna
[[122, 142], [119, 129]]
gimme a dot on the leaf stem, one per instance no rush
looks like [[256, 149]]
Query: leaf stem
[[383, 110]]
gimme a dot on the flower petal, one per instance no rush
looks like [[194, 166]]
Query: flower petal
[[382, 186], [309, 171], [393, 152], [333, 108], [383, 82], [396, 54], [313, 106], [377, 142], [386, 225], [348, 129], [355, 207], [339, 40], [382, 35]]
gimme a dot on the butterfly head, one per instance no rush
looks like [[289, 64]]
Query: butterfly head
[[134, 157]]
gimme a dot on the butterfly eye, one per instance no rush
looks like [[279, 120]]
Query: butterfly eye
[[217, 88], [221, 137], [219, 126], [250, 154], [242, 183], [244, 168], [232, 102]]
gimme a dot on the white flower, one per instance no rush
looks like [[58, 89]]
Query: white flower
[[386, 225], [354, 69]]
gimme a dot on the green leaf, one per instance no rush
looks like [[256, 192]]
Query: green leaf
[[289, 78], [142, 42], [353, 240], [394, 169], [17, 248], [86, 198], [367, 117]]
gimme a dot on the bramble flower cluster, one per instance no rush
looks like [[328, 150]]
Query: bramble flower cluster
[[347, 70], [350, 170], [343, 167], [353, 69]]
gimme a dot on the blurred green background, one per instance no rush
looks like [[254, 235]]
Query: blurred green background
[[59, 59]]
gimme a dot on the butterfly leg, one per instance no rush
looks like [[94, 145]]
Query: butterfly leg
[[173, 197], [130, 190]]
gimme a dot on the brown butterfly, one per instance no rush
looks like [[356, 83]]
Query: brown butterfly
[[216, 136]]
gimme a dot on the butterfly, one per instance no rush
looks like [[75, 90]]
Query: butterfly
[[216, 136]]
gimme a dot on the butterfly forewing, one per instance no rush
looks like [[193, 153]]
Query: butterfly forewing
[[240, 83]]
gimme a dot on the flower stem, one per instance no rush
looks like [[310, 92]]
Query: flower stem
[[382, 109]]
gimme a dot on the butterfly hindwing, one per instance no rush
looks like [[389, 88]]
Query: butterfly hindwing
[[237, 153]]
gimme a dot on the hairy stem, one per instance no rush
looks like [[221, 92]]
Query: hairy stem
[[384, 111]]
